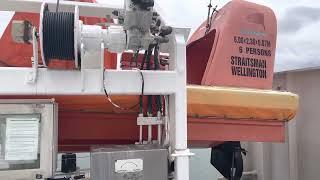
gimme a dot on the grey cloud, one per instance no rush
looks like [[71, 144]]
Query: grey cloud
[[297, 18], [298, 51]]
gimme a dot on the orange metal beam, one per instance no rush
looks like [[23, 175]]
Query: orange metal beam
[[80, 130], [203, 132]]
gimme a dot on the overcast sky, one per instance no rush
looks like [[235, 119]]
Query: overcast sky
[[298, 26]]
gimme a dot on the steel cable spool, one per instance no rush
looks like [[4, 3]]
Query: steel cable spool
[[58, 36]]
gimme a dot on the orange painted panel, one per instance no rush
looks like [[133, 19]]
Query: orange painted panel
[[207, 132], [243, 51]]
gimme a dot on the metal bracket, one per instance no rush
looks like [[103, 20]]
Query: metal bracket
[[151, 121], [182, 153], [102, 67], [32, 77], [82, 51], [145, 121], [92, 56]]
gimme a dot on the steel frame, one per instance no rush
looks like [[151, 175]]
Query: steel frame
[[118, 82]]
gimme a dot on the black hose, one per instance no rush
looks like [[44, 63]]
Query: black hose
[[135, 58], [142, 92], [148, 59], [156, 58], [58, 35], [144, 59], [141, 68], [157, 67]]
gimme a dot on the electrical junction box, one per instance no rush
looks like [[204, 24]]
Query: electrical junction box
[[132, 162]]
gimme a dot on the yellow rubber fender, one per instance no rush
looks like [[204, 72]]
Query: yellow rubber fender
[[241, 103]]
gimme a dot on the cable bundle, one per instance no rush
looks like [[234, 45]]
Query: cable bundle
[[58, 35]]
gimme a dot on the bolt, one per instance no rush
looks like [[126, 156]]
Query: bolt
[[39, 176], [116, 13]]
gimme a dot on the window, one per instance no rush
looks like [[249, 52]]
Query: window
[[19, 142]]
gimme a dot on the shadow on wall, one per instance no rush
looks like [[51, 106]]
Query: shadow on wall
[[200, 167]]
